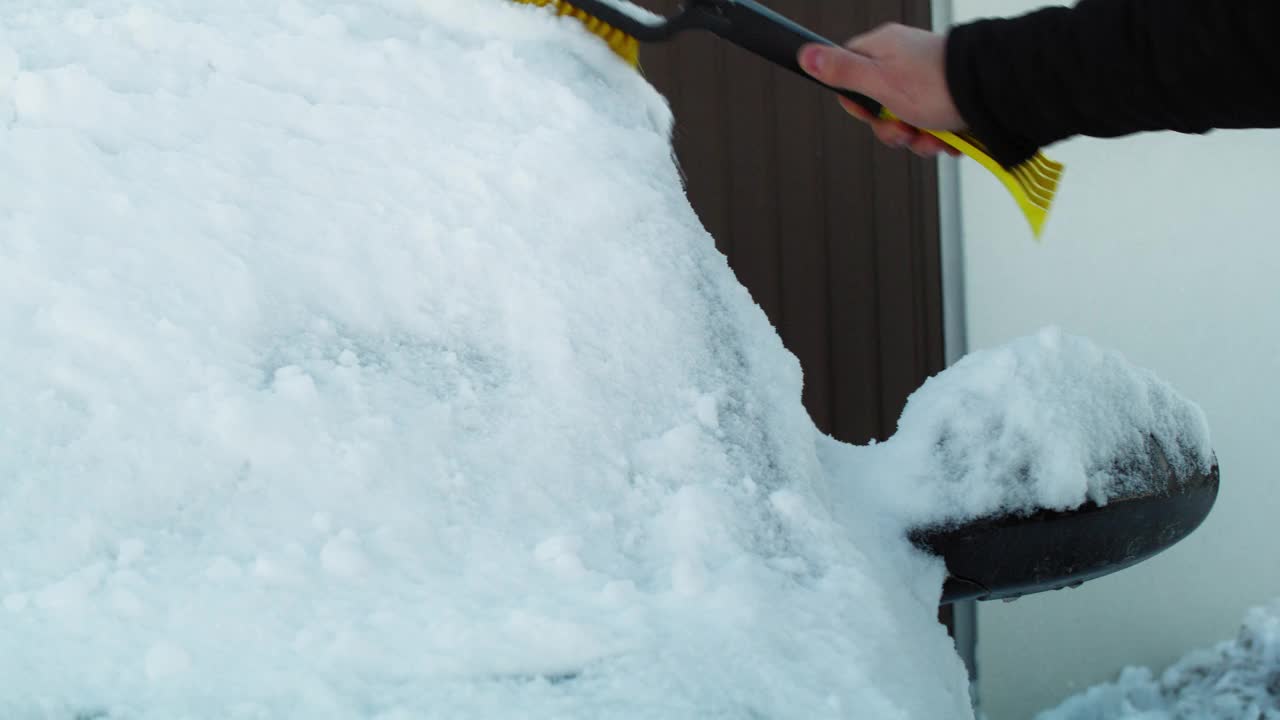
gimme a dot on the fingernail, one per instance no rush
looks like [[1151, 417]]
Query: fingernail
[[812, 59]]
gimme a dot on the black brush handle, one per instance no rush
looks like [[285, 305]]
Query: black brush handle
[[745, 23], [776, 38]]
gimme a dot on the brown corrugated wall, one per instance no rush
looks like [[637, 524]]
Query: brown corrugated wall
[[835, 236]]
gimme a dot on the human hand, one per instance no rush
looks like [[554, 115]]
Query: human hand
[[904, 69]]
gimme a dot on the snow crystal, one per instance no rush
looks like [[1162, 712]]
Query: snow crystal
[[1237, 679], [223, 568], [342, 556], [1048, 421], [166, 660], [129, 551]]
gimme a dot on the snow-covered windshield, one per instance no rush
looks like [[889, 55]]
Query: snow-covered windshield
[[366, 360]]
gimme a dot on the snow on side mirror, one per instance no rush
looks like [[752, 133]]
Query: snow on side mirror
[[1007, 556]]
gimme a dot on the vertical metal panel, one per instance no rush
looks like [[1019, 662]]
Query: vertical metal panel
[[750, 132], [804, 259], [850, 187], [835, 236]]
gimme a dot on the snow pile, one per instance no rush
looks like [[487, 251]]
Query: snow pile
[[365, 360], [1233, 681], [1048, 421]]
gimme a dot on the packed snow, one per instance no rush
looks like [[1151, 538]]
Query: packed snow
[[366, 360], [1237, 680], [635, 11], [1047, 421]]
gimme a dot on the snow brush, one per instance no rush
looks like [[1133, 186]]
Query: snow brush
[[759, 30], [624, 44]]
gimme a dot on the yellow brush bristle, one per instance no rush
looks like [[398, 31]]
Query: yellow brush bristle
[[1033, 184], [625, 46]]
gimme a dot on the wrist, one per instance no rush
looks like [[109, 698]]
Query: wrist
[[971, 93]]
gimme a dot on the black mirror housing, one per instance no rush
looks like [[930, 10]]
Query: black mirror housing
[[1007, 556]]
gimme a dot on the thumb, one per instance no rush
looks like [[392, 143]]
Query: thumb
[[842, 68]]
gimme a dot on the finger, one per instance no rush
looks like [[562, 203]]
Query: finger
[[945, 148], [842, 68], [862, 44], [875, 42], [893, 133], [923, 150], [929, 146], [855, 109]]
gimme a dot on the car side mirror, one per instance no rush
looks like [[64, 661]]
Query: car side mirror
[[1007, 556]]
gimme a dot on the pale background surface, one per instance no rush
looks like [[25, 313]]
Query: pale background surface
[[1164, 248]]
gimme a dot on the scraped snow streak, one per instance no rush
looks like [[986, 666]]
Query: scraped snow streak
[[1236, 680], [365, 360], [636, 11]]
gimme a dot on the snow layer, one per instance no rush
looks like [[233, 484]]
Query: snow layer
[[365, 360], [636, 11], [1237, 680], [1048, 421]]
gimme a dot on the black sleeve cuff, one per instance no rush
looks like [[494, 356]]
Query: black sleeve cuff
[[967, 78]]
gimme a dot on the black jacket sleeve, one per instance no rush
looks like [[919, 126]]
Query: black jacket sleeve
[[1113, 67]]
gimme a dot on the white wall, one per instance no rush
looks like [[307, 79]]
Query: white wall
[[1166, 248]]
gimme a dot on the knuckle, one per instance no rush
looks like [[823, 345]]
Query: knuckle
[[849, 70], [888, 31]]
